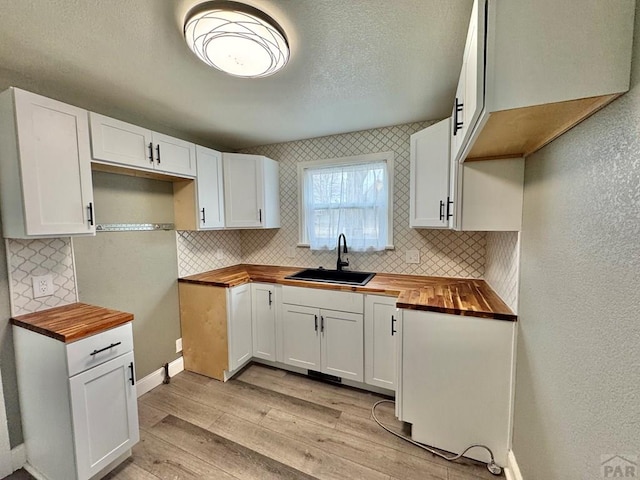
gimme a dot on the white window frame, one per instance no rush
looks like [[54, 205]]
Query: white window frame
[[387, 157]]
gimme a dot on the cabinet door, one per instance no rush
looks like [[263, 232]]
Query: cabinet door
[[380, 317], [239, 326], [429, 189], [243, 190], [174, 155], [210, 188], [264, 321], [301, 336], [55, 164], [105, 414], [115, 141], [342, 344]]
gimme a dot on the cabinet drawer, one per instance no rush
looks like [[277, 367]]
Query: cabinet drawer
[[321, 298], [81, 356]]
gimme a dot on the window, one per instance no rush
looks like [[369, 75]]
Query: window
[[351, 195]]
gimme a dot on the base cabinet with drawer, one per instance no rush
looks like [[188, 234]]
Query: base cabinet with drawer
[[78, 402], [323, 331]]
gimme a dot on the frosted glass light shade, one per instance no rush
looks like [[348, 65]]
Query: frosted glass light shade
[[237, 39]]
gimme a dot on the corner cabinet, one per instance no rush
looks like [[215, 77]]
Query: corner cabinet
[[45, 167], [474, 196], [199, 204], [516, 94], [251, 191], [88, 421], [114, 142], [216, 328]]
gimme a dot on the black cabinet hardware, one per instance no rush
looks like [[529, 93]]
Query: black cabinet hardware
[[270, 298], [151, 152], [449, 203], [158, 152], [393, 322], [316, 322], [441, 210], [133, 377], [90, 207], [456, 124], [95, 352], [260, 215], [321, 324], [203, 217]]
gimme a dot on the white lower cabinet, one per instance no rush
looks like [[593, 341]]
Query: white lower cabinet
[[264, 319], [239, 326], [380, 339], [78, 402], [456, 381], [323, 339]]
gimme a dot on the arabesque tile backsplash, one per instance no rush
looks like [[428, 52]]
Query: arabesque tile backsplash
[[442, 252]]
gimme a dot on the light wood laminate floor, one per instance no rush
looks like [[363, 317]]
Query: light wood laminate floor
[[271, 424]]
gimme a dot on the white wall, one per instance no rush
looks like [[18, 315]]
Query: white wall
[[578, 369]]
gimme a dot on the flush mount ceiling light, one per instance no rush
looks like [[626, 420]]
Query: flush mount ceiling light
[[236, 38]]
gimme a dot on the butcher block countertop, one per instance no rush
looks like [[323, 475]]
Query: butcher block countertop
[[72, 322], [458, 296]]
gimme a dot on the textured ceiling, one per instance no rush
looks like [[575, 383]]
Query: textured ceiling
[[355, 64]]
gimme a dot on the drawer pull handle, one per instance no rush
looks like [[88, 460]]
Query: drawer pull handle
[[95, 352], [270, 300], [158, 151], [133, 378], [393, 330], [321, 324], [316, 322], [151, 152]]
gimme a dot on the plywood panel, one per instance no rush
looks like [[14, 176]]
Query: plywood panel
[[203, 317], [184, 205], [521, 131]]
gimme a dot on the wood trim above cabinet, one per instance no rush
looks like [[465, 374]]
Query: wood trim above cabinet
[[522, 131], [203, 319]]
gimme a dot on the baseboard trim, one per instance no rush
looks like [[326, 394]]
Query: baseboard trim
[[18, 457], [155, 378], [512, 471]]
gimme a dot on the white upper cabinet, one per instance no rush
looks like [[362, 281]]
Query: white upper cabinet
[[124, 144], [210, 186], [429, 176], [251, 191], [481, 195], [45, 167], [536, 70]]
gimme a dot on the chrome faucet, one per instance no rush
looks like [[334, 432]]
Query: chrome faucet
[[342, 263]]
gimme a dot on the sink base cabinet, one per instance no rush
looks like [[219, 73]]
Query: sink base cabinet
[[456, 381], [301, 336], [84, 424]]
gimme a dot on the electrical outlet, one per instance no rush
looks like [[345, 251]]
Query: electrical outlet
[[179, 345], [413, 256], [42, 286], [291, 252], [219, 254]]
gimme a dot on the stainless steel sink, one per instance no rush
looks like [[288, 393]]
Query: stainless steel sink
[[345, 277]]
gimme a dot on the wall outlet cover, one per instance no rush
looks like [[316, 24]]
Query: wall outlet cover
[[219, 254], [179, 345], [42, 286], [413, 256], [291, 252]]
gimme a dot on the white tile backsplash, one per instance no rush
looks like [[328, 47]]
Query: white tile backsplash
[[28, 258], [198, 251], [502, 265]]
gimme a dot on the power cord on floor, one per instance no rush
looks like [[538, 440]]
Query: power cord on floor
[[492, 466]]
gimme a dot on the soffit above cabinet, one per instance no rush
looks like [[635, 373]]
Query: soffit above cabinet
[[354, 65]]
